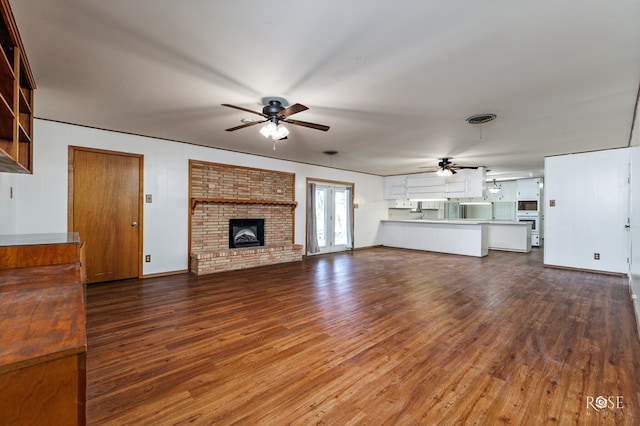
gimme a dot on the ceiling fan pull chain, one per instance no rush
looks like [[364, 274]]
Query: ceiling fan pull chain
[[274, 144]]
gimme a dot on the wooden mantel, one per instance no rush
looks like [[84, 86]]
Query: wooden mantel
[[196, 201]]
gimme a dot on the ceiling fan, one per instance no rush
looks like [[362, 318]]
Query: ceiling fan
[[447, 168], [274, 113]]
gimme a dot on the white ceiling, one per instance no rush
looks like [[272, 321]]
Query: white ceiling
[[394, 80]]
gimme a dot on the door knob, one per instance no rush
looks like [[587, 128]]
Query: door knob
[[134, 223]]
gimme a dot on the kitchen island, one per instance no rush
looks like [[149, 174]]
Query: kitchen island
[[466, 237], [510, 236]]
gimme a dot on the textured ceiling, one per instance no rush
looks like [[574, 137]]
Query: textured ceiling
[[394, 80]]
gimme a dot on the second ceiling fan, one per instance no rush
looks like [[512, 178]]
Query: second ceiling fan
[[447, 168], [274, 113]]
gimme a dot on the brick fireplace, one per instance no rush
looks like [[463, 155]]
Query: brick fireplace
[[222, 193]]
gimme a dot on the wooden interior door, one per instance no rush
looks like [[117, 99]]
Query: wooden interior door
[[105, 208]]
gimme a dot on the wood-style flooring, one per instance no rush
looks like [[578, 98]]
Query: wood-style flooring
[[373, 337]]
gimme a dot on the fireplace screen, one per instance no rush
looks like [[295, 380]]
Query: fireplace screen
[[246, 233]]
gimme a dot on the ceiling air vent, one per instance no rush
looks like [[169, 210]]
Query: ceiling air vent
[[481, 118]]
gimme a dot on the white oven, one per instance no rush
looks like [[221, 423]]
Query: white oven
[[535, 228], [535, 221]]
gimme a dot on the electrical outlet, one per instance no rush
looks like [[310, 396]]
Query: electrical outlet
[[596, 256], [147, 258], [148, 198]]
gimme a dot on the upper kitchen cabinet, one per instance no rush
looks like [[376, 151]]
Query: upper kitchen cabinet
[[16, 98], [529, 189], [467, 183], [425, 186], [395, 187], [431, 186]]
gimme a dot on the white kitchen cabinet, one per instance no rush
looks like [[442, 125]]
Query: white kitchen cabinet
[[456, 186], [535, 240], [430, 186], [475, 179], [508, 190], [402, 204], [395, 187], [424, 186], [424, 179], [529, 189]]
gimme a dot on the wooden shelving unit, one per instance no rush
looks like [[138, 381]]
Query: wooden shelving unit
[[16, 98], [43, 322], [196, 201]]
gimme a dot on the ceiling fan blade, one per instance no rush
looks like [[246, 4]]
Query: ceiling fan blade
[[242, 126], [307, 124], [467, 167], [292, 109], [244, 109]]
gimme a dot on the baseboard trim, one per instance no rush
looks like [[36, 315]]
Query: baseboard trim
[[592, 271], [166, 274], [366, 247]]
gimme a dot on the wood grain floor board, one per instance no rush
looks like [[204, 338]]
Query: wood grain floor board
[[373, 337]]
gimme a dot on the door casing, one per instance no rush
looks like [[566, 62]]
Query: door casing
[[322, 182]]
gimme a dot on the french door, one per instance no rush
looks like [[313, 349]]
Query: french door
[[329, 217]]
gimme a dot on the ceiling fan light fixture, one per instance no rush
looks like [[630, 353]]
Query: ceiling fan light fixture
[[444, 172], [275, 131], [269, 129], [281, 132]]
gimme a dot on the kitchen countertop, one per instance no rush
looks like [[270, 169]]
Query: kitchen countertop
[[509, 222], [443, 222], [39, 239], [461, 221]]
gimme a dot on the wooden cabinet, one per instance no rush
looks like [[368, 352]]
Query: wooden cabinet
[[43, 323], [16, 98]]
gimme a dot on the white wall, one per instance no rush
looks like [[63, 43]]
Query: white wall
[[40, 200], [591, 192], [634, 280]]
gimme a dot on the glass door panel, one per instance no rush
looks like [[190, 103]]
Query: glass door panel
[[340, 232], [322, 215]]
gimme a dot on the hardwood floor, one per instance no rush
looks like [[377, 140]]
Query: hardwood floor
[[374, 337]]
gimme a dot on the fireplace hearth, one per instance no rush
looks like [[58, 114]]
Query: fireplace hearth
[[246, 233]]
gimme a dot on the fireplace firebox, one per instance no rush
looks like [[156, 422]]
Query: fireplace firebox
[[246, 233]]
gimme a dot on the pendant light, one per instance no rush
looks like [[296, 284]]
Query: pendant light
[[495, 188]]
